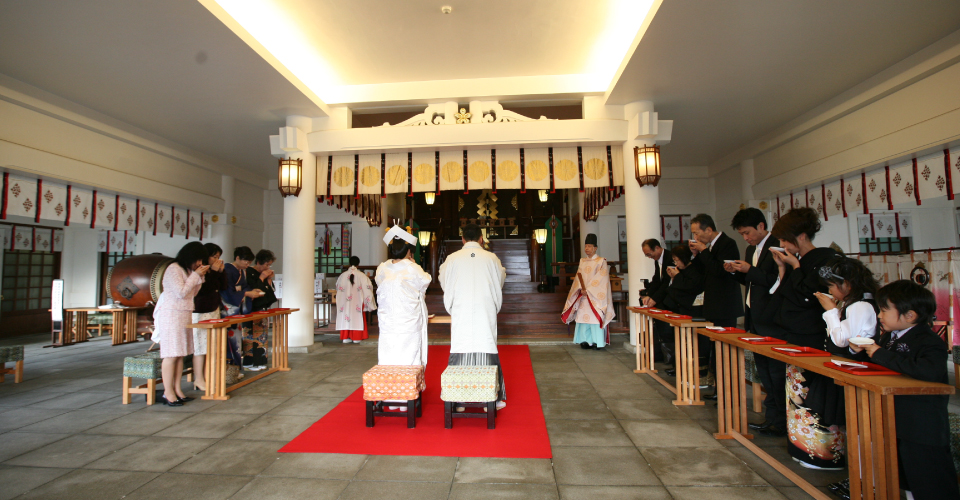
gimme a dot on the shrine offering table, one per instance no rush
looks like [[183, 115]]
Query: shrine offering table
[[439, 319], [74, 328], [216, 366], [686, 351], [871, 425]]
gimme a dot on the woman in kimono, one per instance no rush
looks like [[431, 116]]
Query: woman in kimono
[[589, 301], [259, 278], [813, 416], [172, 314], [402, 311], [354, 298]]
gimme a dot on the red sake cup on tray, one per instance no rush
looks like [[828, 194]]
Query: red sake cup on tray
[[763, 340], [867, 368]]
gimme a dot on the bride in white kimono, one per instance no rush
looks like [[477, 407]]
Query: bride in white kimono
[[354, 298], [402, 314]]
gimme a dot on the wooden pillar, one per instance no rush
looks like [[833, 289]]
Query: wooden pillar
[[534, 259], [434, 256]]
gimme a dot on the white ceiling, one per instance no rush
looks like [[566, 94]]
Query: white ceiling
[[140, 62], [728, 72], [725, 72]]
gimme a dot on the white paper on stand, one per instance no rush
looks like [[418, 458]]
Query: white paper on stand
[[278, 285]]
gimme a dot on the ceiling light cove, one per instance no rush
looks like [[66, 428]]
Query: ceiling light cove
[[338, 55]]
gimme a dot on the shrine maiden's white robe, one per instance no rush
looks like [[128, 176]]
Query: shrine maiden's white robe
[[402, 313], [472, 281], [353, 300]]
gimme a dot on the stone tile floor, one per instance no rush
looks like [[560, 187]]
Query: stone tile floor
[[65, 435]]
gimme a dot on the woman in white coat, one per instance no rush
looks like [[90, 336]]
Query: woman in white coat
[[354, 298], [402, 312]]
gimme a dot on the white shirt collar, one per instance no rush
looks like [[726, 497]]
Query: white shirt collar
[[472, 244], [660, 259], [764, 240], [899, 333], [715, 238]]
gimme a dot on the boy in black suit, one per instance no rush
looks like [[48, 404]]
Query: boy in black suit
[[909, 346]]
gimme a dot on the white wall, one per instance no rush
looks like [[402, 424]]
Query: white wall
[[79, 267]]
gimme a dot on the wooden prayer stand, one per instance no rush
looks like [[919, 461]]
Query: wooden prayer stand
[[686, 352], [74, 326], [871, 424], [216, 366]]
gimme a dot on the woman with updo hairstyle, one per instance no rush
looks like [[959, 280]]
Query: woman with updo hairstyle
[[402, 311], [814, 409]]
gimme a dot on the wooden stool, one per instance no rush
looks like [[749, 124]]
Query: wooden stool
[[469, 387], [13, 353], [143, 366], [401, 383]]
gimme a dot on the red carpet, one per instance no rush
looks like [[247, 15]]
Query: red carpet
[[521, 430]]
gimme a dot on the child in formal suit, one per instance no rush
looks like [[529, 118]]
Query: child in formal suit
[[909, 346]]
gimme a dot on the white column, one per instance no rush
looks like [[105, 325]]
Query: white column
[[222, 233], [299, 217], [642, 209]]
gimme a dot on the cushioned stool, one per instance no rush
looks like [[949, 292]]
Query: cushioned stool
[[386, 383], [143, 366], [469, 387], [12, 354]]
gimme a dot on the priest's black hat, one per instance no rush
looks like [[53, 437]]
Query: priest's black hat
[[591, 239]]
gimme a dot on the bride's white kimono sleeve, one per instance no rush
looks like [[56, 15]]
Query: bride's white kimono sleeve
[[402, 313]]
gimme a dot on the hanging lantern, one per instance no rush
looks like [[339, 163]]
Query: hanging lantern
[[425, 238], [647, 161], [540, 235], [543, 195], [429, 198], [290, 179]]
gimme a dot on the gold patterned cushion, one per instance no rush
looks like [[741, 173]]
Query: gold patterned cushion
[[393, 382], [469, 384]]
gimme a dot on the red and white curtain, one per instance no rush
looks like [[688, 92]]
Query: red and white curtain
[[31, 238], [117, 242], [879, 190], [675, 227], [45, 200]]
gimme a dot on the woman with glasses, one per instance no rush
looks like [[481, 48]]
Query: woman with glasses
[[259, 278]]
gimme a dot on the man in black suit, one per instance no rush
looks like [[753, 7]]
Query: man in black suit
[[758, 272], [662, 259], [722, 300], [656, 292]]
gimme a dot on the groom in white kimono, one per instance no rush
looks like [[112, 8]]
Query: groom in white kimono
[[472, 281]]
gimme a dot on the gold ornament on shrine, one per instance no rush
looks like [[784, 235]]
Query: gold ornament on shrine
[[463, 116]]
